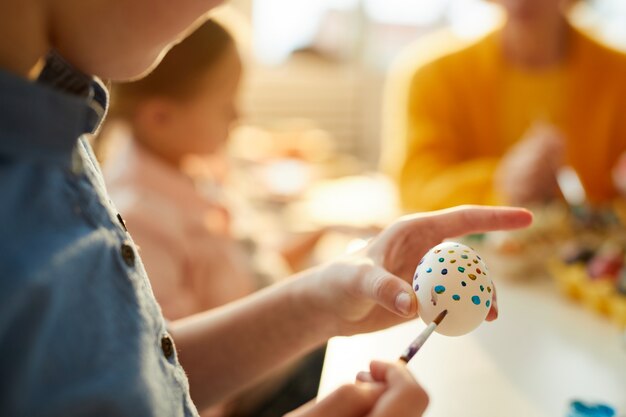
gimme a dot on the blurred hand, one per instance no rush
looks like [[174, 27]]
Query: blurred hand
[[527, 173], [619, 175], [390, 391], [371, 289]]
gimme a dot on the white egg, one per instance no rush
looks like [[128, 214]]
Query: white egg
[[453, 277]]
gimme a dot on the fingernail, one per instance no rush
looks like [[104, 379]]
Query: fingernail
[[403, 303], [364, 377]]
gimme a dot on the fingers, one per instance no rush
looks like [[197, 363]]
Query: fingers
[[404, 397], [493, 311], [364, 376], [346, 401], [390, 372], [464, 220], [378, 370], [389, 291], [399, 247]]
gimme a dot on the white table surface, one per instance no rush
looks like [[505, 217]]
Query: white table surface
[[542, 352]]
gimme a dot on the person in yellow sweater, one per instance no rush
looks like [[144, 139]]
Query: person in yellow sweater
[[493, 121]]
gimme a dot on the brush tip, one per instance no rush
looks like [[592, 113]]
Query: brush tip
[[440, 317]]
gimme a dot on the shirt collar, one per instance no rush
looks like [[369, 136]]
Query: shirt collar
[[46, 118]]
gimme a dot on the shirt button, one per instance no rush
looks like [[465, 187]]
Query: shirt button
[[122, 222], [128, 254], [167, 346]]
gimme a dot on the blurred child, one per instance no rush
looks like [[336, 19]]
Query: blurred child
[[185, 107]]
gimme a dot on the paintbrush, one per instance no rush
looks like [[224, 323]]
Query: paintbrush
[[422, 338]]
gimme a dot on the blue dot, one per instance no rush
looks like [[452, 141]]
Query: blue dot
[[488, 303], [476, 300], [461, 269], [441, 259], [429, 270], [456, 297], [444, 272], [482, 288], [417, 287], [439, 289]]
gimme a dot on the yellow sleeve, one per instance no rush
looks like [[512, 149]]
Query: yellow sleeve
[[434, 168]]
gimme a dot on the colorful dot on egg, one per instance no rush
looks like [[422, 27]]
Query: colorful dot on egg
[[478, 271], [429, 270], [453, 261], [456, 297], [417, 287], [482, 288], [464, 256], [488, 303], [441, 259], [421, 262], [463, 283], [450, 251], [472, 277], [444, 272], [475, 261], [438, 250], [461, 269], [476, 300], [488, 289], [440, 289], [466, 251], [469, 264]]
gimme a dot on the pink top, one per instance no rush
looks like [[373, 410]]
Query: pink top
[[192, 261]]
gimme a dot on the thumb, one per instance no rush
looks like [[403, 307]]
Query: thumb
[[389, 291]]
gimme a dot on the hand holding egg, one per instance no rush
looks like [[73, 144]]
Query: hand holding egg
[[453, 277]]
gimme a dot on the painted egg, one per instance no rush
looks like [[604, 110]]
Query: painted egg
[[453, 277]]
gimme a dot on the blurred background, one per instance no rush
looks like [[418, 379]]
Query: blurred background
[[323, 62], [310, 135], [306, 153]]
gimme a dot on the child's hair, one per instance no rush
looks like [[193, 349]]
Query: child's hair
[[178, 73]]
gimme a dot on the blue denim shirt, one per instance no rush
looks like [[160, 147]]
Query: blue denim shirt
[[80, 331]]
